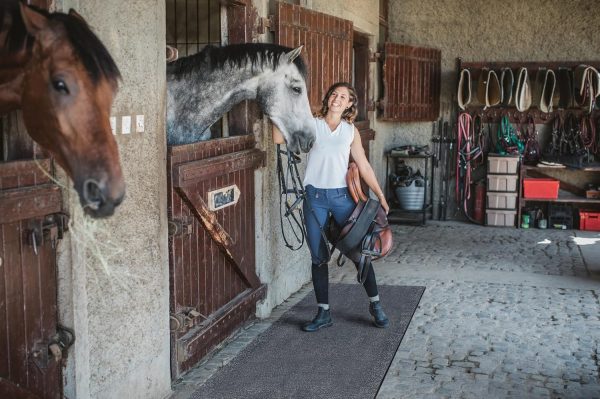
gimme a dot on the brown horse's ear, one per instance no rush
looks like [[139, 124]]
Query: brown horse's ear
[[33, 20], [75, 14]]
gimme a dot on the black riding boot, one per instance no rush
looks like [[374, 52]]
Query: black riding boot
[[379, 318], [321, 320]]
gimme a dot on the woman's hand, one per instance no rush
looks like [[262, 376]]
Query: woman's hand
[[384, 203]]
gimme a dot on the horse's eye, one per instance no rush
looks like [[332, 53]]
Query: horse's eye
[[297, 90], [60, 86]]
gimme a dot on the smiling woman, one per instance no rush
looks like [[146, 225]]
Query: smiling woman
[[327, 193]]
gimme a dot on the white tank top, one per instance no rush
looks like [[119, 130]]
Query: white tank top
[[327, 163]]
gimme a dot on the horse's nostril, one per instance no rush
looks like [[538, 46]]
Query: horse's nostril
[[92, 194]]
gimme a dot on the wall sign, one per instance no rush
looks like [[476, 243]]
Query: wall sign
[[223, 197]]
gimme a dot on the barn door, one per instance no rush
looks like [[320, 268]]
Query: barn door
[[214, 286], [30, 226]]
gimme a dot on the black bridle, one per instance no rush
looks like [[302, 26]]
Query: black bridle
[[291, 195]]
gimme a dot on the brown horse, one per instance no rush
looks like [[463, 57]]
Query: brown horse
[[55, 69]]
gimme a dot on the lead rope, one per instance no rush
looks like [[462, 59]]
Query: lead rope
[[468, 154]]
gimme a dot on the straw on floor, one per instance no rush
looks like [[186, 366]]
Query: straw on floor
[[347, 360]]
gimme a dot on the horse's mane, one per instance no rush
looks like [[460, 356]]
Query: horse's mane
[[257, 54], [17, 36], [88, 48]]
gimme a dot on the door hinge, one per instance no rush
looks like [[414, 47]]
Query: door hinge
[[54, 349], [185, 319], [48, 230], [374, 57], [265, 25]]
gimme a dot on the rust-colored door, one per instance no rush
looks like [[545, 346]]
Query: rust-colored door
[[214, 286], [28, 310]]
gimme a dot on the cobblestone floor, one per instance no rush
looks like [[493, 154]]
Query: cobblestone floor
[[506, 313]]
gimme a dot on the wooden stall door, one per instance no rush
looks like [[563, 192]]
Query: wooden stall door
[[214, 286], [29, 230]]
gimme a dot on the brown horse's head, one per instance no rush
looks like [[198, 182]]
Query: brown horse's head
[[68, 89]]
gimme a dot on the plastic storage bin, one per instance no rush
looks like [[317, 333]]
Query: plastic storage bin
[[540, 188], [589, 220], [501, 200], [503, 165], [560, 215], [494, 217], [504, 183], [411, 197]]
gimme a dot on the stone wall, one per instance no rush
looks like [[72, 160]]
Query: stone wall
[[511, 30]]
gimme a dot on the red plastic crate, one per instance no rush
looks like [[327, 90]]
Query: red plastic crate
[[540, 188], [589, 220]]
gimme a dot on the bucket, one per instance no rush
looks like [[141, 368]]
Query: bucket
[[411, 197]]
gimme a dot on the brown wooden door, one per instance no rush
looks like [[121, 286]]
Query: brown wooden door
[[28, 308], [214, 286]]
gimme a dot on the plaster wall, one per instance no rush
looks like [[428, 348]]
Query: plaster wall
[[284, 270], [510, 30], [113, 284]]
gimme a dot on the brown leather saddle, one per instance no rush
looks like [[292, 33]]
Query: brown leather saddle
[[366, 235]]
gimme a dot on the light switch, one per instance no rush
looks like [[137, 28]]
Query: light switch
[[126, 124], [113, 124], [139, 123]]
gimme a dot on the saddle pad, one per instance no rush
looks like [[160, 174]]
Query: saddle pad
[[507, 82], [565, 88], [464, 89], [549, 95], [523, 91], [488, 88]]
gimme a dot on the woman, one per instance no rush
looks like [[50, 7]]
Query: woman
[[327, 192]]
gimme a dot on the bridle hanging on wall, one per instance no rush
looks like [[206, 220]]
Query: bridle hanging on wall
[[291, 196]]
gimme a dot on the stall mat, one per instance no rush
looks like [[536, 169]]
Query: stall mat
[[347, 360]]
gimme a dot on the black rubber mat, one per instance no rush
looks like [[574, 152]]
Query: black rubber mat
[[347, 360]]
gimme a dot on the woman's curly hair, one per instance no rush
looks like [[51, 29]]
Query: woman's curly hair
[[349, 114]]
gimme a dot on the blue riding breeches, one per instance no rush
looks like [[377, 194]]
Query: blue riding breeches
[[318, 204]]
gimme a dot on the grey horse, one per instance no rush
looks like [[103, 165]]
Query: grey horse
[[204, 86]]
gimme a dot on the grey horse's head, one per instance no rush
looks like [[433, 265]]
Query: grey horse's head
[[284, 99]]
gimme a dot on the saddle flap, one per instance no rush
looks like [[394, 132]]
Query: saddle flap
[[353, 182]]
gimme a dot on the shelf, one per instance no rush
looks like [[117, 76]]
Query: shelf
[[590, 168], [416, 211], [409, 156], [564, 196]]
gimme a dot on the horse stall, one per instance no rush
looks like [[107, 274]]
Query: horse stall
[[31, 223], [213, 281]]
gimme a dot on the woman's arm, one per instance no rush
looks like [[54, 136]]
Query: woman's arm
[[365, 169], [277, 135]]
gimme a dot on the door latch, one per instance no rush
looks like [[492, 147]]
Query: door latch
[[53, 349], [185, 319], [179, 227]]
